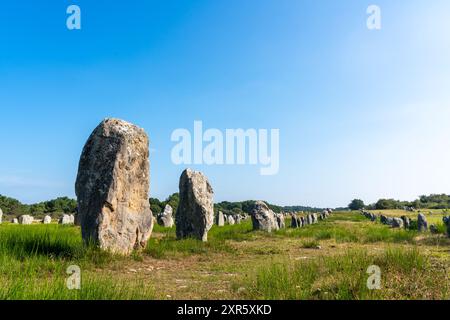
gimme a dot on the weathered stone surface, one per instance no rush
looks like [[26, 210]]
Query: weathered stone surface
[[195, 214], [112, 187], [237, 219], [47, 220], [446, 221], [165, 218], [295, 221], [1, 215], [225, 218], [220, 219], [26, 219], [422, 224], [280, 221], [231, 221], [397, 223], [301, 222], [406, 222], [15, 221], [263, 218], [66, 219]]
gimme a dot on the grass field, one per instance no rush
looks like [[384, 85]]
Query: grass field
[[328, 260]]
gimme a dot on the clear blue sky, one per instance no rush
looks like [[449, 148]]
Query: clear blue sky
[[361, 113]]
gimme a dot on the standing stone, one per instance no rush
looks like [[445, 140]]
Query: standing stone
[[225, 218], [263, 218], [446, 221], [397, 223], [422, 224], [1, 215], [300, 222], [231, 220], [316, 218], [406, 222], [26, 219], [47, 220], [112, 188], [305, 221], [220, 220], [65, 220], [165, 218], [280, 221], [294, 221], [15, 221], [237, 219], [195, 214]]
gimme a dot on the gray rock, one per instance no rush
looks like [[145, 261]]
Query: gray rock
[[231, 221], [1, 215], [112, 188], [301, 221], [422, 224], [26, 219], [165, 218], [195, 214], [295, 221], [397, 223], [220, 219], [225, 219], [66, 220], [15, 221], [446, 221], [47, 220], [263, 218], [280, 221], [305, 221], [237, 219], [406, 222]]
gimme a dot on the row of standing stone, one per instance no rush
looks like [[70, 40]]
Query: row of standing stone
[[406, 222], [25, 219]]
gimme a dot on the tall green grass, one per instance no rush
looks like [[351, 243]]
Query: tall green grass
[[405, 274], [34, 260], [218, 237]]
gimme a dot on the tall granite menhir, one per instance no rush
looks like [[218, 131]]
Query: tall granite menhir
[[112, 187], [195, 214]]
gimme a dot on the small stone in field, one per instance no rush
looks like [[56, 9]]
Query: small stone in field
[[422, 223], [165, 218], [397, 223], [47, 220], [26, 219], [220, 220]]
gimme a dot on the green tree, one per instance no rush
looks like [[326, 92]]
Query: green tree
[[356, 204]]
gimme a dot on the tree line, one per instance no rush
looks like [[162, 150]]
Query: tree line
[[13, 206], [433, 201]]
